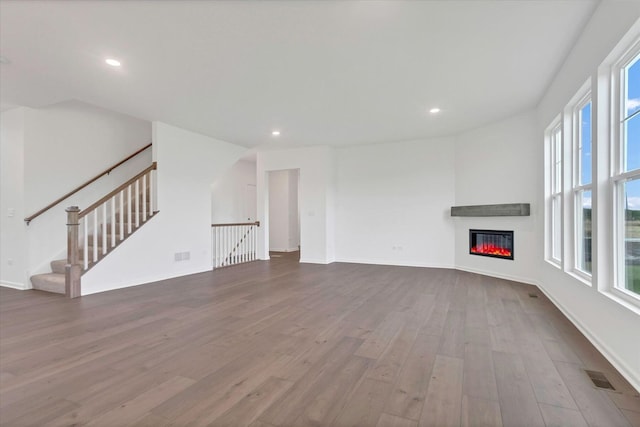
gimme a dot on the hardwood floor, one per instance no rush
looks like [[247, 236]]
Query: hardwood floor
[[282, 344]]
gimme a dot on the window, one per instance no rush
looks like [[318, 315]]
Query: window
[[554, 229], [582, 181], [592, 172], [626, 175]]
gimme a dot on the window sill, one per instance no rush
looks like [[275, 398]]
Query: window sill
[[622, 300], [581, 277], [554, 263]]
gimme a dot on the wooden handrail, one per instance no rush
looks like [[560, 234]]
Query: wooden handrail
[[85, 211], [236, 223], [75, 190]]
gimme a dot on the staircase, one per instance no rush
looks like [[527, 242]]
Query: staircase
[[95, 231]]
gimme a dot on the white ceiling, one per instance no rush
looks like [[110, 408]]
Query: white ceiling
[[321, 72]]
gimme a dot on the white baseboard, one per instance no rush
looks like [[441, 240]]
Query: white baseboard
[[14, 285], [314, 261], [283, 250], [621, 366], [393, 263], [526, 280]]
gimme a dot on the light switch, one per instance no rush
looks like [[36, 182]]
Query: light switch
[[11, 212]]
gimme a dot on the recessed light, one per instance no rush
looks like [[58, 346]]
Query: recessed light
[[434, 110], [113, 62], [275, 133]]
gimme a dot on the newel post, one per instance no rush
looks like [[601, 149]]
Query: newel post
[[73, 269]]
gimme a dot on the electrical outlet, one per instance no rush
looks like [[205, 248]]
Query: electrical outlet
[[11, 212]]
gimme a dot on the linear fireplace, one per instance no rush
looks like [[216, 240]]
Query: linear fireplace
[[492, 243]]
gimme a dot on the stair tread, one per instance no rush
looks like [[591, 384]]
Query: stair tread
[[52, 276], [50, 282]]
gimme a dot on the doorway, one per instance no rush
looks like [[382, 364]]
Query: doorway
[[284, 214]]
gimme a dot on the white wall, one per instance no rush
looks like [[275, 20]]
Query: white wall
[[72, 142], [283, 211], [13, 240], [316, 187], [393, 203], [63, 146], [496, 164], [229, 194], [188, 163], [611, 325]]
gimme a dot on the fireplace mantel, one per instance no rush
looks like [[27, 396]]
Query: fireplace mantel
[[505, 209]]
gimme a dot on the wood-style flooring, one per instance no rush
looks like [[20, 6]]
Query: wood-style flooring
[[285, 344]]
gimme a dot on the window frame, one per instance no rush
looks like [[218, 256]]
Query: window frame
[[618, 174], [555, 194], [577, 187]]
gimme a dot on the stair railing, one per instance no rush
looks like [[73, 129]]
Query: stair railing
[[95, 231], [80, 187], [234, 243]]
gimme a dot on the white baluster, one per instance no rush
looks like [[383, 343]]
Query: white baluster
[[95, 236], [104, 228], [253, 243], [144, 197], [250, 242], [234, 244], [137, 203], [247, 229], [122, 215], [223, 242], [152, 181], [225, 233], [230, 245], [218, 247], [215, 247], [129, 208], [113, 221], [85, 247], [242, 243]]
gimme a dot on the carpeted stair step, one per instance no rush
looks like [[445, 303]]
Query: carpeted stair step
[[49, 282], [58, 266]]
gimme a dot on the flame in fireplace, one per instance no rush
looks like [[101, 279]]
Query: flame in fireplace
[[489, 249]]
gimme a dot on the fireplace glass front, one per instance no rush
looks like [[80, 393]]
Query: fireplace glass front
[[491, 243]]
